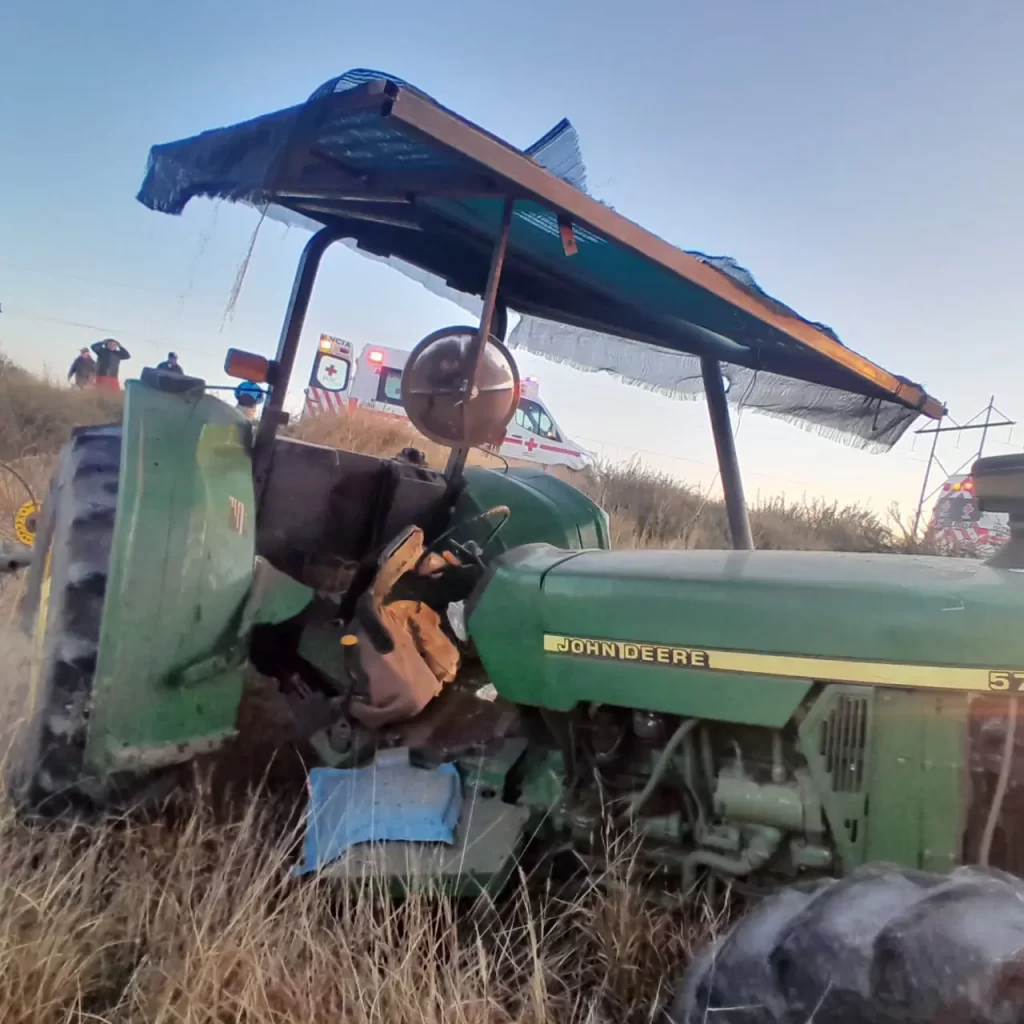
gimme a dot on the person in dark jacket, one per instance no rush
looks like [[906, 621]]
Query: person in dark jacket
[[83, 369], [109, 354], [171, 364]]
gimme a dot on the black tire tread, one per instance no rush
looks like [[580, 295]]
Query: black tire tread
[[48, 774], [881, 946]]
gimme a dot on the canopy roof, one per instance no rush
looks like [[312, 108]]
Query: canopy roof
[[387, 166]]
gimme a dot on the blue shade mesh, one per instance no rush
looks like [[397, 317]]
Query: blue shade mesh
[[768, 372]]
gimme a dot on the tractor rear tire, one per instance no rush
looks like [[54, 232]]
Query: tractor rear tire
[[882, 946], [62, 610]]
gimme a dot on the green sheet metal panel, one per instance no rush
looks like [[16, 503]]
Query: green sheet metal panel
[[918, 791], [861, 608], [894, 822], [886, 608], [543, 509], [517, 592], [945, 783], [505, 611], [169, 676]]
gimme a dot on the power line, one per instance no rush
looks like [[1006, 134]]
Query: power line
[[974, 423], [28, 315], [85, 279], [109, 331]]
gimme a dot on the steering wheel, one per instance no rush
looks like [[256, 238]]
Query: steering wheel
[[470, 551]]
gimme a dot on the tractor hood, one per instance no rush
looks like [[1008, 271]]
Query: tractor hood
[[659, 629]]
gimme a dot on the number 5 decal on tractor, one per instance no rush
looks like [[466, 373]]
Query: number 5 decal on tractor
[[1007, 682]]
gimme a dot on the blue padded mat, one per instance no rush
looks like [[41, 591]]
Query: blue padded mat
[[390, 800]]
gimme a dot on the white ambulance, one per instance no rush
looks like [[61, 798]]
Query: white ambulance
[[330, 378], [374, 381], [959, 527]]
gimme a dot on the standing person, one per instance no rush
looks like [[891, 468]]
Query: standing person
[[109, 354], [171, 364], [83, 369]]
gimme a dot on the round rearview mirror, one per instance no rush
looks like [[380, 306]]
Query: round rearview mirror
[[439, 399]]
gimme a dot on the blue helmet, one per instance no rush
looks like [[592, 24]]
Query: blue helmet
[[249, 393]]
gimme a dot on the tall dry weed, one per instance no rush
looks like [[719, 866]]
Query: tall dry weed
[[647, 508], [361, 430], [201, 923], [37, 415]]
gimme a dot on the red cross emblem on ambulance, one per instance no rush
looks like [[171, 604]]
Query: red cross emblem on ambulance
[[531, 444]]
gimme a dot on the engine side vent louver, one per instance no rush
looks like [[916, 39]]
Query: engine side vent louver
[[843, 742]]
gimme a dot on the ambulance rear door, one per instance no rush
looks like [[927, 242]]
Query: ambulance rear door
[[330, 377]]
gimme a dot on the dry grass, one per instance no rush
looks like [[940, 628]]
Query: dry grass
[[199, 922], [359, 430], [37, 415], [651, 509], [648, 508]]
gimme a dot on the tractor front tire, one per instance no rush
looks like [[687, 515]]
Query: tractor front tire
[[62, 610], [883, 946]]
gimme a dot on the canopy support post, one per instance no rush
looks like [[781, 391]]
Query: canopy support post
[[728, 463], [457, 458], [274, 415]]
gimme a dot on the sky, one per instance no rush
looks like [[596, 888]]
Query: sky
[[863, 159]]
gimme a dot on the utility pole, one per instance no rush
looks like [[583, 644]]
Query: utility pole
[[924, 483], [984, 431], [974, 423]]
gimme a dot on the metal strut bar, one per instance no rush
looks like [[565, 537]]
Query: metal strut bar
[[287, 348], [457, 458], [728, 463]]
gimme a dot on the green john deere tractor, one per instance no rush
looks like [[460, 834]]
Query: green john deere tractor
[[481, 677]]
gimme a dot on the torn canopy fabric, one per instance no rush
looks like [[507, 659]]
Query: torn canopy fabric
[[862, 422], [245, 163], [852, 419], [856, 420]]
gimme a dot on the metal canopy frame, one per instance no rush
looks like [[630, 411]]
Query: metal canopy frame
[[493, 313], [457, 460], [389, 213]]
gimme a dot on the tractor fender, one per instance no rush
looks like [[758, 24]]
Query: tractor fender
[[180, 584]]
